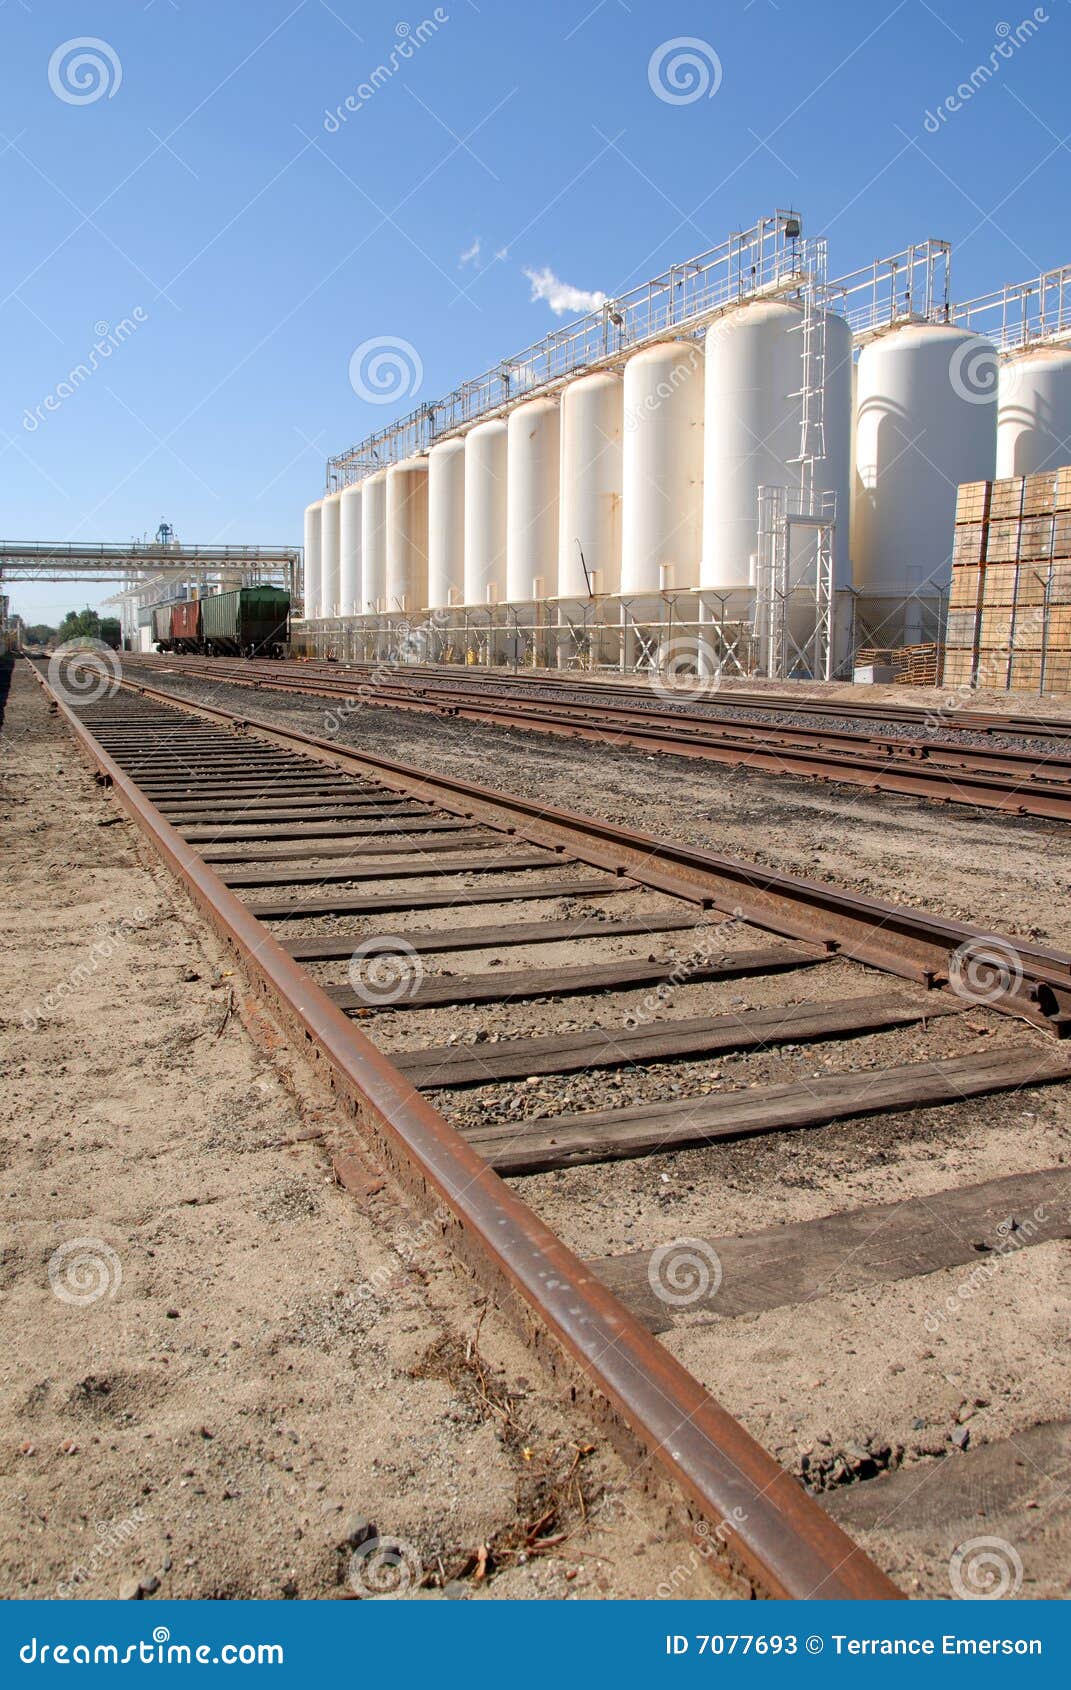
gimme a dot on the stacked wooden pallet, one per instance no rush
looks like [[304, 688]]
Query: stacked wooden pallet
[[912, 665], [1009, 611], [917, 665]]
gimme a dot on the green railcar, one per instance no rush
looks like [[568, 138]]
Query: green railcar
[[246, 622]]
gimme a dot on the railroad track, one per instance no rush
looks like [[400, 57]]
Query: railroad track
[[367, 897], [713, 698], [1022, 782]]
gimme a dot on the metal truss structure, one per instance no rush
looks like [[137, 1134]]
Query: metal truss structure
[[766, 261]]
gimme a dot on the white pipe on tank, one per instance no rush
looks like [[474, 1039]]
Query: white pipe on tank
[[662, 468], [313, 530], [532, 476], [446, 523], [349, 572], [592, 477], [374, 543], [486, 457], [407, 536]]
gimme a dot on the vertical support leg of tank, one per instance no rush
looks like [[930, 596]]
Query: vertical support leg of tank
[[705, 666], [912, 620], [624, 649], [843, 620]]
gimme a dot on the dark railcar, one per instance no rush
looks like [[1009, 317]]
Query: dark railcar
[[246, 622]]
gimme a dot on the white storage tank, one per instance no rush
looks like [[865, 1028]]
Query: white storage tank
[[407, 537], [485, 513], [662, 517], [446, 524], [374, 543], [592, 419], [349, 549], [926, 419], [533, 470], [754, 374], [1034, 411], [330, 542], [313, 529]]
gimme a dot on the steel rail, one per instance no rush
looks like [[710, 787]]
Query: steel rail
[[745, 1508], [1006, 781]]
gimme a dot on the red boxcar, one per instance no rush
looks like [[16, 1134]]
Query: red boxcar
[[186, 624]]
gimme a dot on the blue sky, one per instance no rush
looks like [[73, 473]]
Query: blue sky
[[260, 241]]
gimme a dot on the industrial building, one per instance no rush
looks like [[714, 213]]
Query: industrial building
[[741, 467]]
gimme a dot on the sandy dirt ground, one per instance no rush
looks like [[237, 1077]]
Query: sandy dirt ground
[[221, 1374]]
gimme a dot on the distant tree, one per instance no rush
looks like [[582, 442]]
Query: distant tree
[[87, 625], [39, 633], [80, 625]]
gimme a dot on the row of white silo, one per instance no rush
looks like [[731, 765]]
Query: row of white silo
[[648, 478], [601, 490]]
